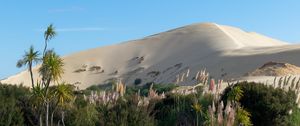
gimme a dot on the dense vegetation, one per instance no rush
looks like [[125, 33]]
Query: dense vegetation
[[130, 90], [12, 107], [267, 105], [264, 105]]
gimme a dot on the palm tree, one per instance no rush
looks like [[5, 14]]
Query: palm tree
[[51, 70], [48, 35], [64, 95], [28, 59], [198, 109]]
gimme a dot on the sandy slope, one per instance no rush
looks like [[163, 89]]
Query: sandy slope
[[275, 69], [160, 57]]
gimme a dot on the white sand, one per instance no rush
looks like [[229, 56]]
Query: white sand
[[220, 49]]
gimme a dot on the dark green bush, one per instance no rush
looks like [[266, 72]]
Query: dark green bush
[[126, 113], [11, 109], [294, 118], [160, 88], [100, 87], [137, 81], [144, 90], [177, 109], [86, 115], [174, 110], [268, 106]]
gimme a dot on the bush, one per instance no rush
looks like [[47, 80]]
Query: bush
[[160, 88], [137, 81], [267, 105], [294, 119], [10, 113], [126, 113], [11, 109], [174, 110], [100, 87], [85, 116], [177, 109], [144, 90]]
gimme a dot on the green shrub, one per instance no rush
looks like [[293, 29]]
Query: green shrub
[[243, 117], [126, 113], [160, 88], [131, 90], [137, 81], [294, 118], [86, 116], [100, 87], [11, 109], [144, 90], [266, 104], [174, 110], [177, 109], [10, 113]]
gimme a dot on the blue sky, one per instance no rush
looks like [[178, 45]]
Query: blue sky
[[83, 24]]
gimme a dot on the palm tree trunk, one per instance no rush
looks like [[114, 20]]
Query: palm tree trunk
[[31, 75], [63, 117], [46, 44], [197, 120], [52, 114], [47, 113], [51, 122], [47, 85], [40, 120]]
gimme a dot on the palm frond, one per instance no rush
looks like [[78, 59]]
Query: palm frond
[[50, 32]]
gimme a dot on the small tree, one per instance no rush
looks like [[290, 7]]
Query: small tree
[[51, 71], [63, 95], [48, 35], [28, 59]]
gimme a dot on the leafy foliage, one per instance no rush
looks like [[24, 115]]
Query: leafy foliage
[[267, 105], [126, 113], [294, 118], [144, 90], [182, 110], [235, 94], [28, 59], [48, 35], [10, 107], [101, 87], [85, 116], [243, 117], [137, 81], [52, 67]]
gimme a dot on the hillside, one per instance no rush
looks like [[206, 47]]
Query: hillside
[[224, 51], [275, 69]]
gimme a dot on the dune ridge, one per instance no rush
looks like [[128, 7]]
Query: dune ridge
[[161, 57]]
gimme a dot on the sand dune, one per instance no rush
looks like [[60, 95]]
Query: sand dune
[[222, 50], [275, 69]]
